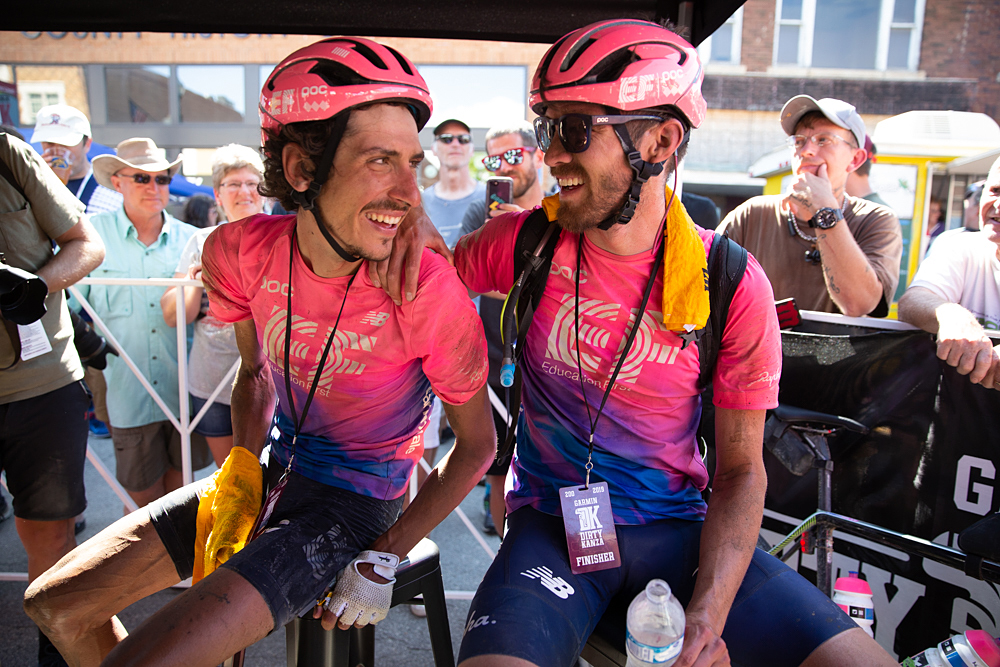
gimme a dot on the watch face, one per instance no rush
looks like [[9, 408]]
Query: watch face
[[826, 218]]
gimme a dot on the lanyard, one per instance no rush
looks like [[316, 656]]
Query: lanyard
[[322, 361], [621, 358]]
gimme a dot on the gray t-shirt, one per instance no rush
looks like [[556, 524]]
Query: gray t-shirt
[[214, 350], [446, 214]]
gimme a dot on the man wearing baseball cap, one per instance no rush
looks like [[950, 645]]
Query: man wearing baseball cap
[[143, 241], [64, 133], [446, 201], [829, 251]]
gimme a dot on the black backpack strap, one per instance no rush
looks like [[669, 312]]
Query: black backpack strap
[[528, 238], [727, 262]]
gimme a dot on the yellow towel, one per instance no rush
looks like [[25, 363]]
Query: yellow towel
[[227, 511], [685, 268]]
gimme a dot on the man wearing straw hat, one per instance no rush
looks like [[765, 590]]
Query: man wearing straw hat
[[143, 241]]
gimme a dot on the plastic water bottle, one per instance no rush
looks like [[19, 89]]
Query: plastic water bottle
[[654, 627], [854, 596], [972, 648]]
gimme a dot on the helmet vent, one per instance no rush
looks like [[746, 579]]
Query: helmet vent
[[611, 68], [365, 51], [575, 54], [337, 74], [402, 61]]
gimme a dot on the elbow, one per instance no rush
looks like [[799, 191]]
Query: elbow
[[862, 304], [94, 252]]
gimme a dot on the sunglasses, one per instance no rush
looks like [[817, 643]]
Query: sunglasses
[[513, 157], [574, 129], [143, 178], [448, 138]]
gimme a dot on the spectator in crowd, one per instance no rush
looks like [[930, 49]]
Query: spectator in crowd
[[702, 210], [970, 214], [236, 173], [829, 251], [43, 403], [345, 465], [200, 211], [956, 292], [512, 151], [65, 136], [935, 219], [143, 241], [858, 184], [446, 201]]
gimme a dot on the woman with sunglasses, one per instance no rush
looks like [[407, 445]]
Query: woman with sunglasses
[[236, 173]]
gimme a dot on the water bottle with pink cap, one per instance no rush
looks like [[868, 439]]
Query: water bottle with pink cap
[[972, 648], [854, 596]]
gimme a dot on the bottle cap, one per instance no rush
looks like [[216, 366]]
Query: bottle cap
[[985, 646], [853, 584]]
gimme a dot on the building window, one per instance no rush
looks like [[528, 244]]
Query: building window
[[33, 95], [211, 93], [138, 94], [849, 34], [723, 46], [479, 95]]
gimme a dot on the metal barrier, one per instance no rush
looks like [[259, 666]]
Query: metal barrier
[[182, 421]]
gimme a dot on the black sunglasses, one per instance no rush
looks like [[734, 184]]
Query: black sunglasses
[[448, 138], [574, 129], [513, 157], [143, 178]]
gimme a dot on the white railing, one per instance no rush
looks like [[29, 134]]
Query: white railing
[[182, 421]]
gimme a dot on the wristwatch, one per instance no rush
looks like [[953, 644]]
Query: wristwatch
[[826, 218]]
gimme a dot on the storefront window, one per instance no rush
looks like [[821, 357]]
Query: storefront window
[[211, 93], [138, 94]]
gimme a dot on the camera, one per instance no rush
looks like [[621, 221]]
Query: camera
[[22, 295]]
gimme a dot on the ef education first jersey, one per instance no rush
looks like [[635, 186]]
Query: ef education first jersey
[[364, 431], [645, 443]]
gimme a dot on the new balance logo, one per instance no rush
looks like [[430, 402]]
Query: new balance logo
[[557, 585], [376, 318]]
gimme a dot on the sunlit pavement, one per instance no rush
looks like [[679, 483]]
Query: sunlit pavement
[[401, 639]]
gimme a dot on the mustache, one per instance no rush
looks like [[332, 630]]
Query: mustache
[[386, 205]]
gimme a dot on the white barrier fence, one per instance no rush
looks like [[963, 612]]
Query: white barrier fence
[[183, 422]]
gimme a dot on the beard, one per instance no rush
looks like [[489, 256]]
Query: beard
[[607, 196], [523, 182]]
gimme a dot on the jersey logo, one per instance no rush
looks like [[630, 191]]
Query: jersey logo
[[557, 585], [561, 344], [376, 318], [307, 347]]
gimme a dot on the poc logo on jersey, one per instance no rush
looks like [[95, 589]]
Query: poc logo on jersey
[[557, 585], [275, 287], [566, 272], [376, 318]]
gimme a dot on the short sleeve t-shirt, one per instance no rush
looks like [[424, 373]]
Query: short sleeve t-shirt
[[963, 269], [760, 226], [214, 350], [364, 430], [645, 440], [26, 232], [447, 214]]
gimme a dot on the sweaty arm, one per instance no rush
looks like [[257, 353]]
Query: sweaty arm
[[81, 250], [849, 276], [730, 532], [961, 341], [253, 391], [446, 485]]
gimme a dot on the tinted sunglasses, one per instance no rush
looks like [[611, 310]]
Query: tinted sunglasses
[[448, 138], [142, 178], [513, 157], [574, 129]]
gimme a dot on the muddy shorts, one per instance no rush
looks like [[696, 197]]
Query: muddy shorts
[[315, 531]]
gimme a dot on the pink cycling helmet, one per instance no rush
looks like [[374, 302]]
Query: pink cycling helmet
[[321, 80], [625, 64]]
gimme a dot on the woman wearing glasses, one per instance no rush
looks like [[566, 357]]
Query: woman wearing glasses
[[236, 173]]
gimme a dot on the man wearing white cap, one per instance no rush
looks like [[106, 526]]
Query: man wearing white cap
[[829, 251], [143, 241], [64, 133]]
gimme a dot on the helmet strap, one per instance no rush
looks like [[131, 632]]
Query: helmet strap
[[307, 200], [642, 171]]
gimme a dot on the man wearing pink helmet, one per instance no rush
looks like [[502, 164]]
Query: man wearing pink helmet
[[354, 376], [607, 479]]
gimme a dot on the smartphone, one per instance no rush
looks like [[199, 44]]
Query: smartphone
[[499, 190]]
